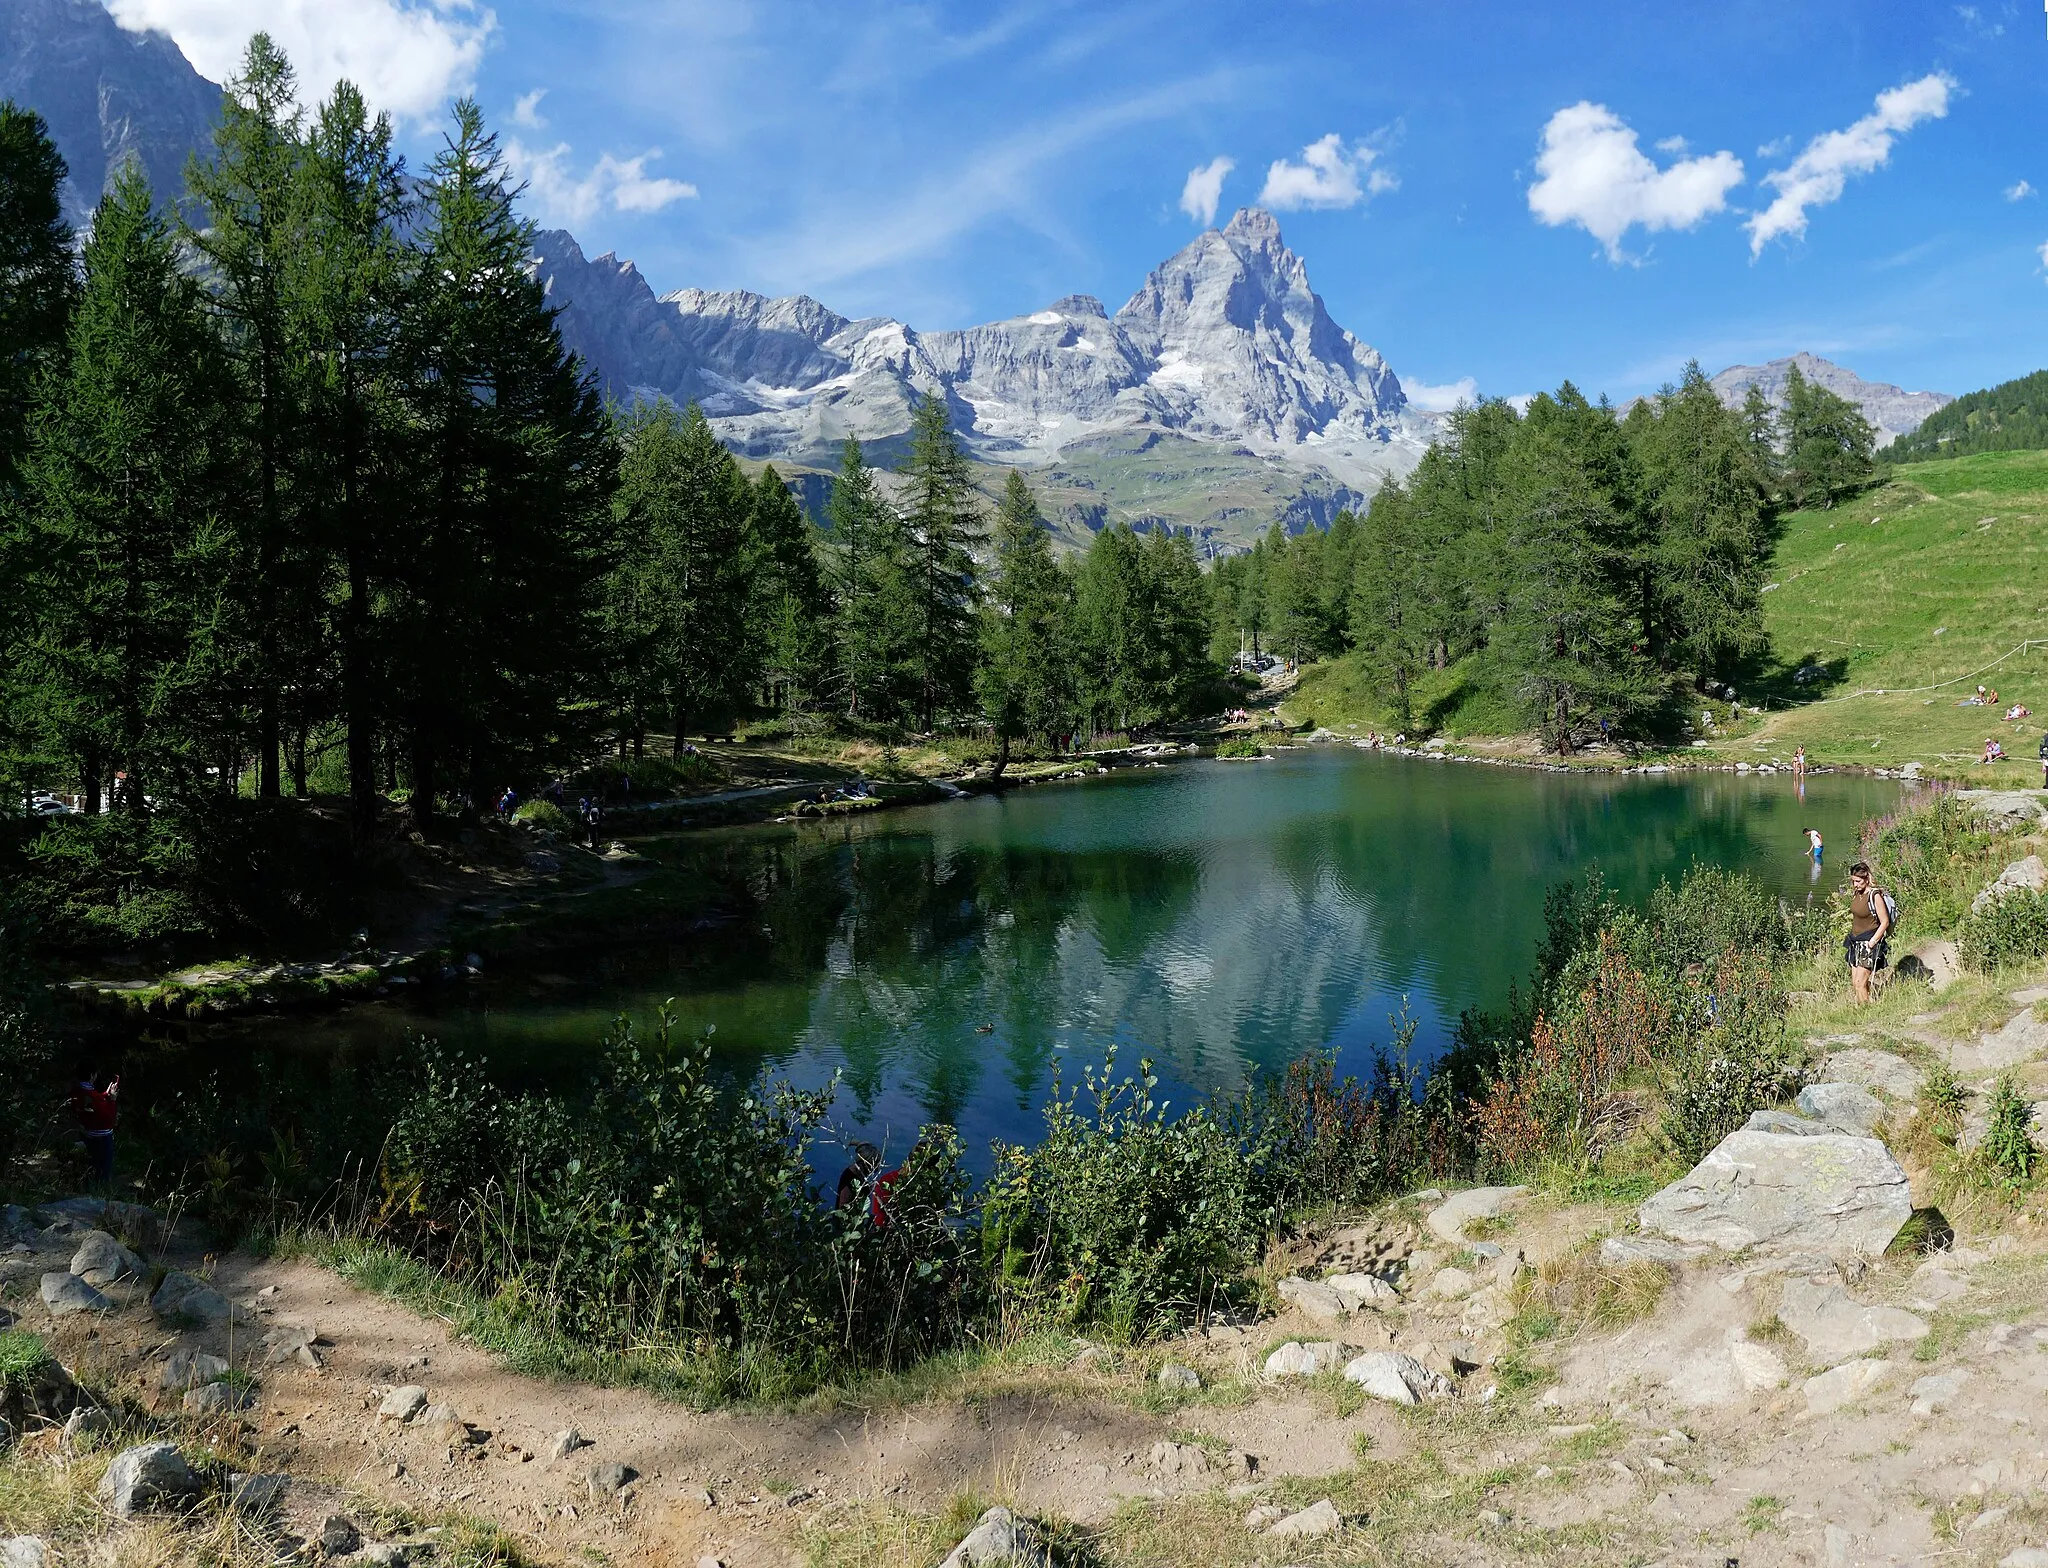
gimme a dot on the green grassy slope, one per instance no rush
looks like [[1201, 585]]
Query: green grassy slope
[[1926, 579], [1931, 576]]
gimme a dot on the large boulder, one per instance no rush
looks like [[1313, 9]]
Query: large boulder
[[1846, 1107], [1398, 1379], [2022, 876], [1880, 1071], [188, 1298], [150, 1475], [101, 1260], [1829, 1193], [1001, 1540], [64, 1293]]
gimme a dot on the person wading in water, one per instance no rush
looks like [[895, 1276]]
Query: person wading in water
[[1870, 927]]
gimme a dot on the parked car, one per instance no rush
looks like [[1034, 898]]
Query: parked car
[[47, 806]]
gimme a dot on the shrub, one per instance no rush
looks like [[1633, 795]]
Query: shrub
[[2007, 1156], [22, 1357], [27, 1039], [1239, 746], [1932, 856], [543, 816], [2012, 929], [666, 1205], [1740, 1063], [1123, 1219]]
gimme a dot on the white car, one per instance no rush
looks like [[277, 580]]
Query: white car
[[47, 806]]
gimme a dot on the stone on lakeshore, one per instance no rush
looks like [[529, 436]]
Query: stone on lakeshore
[[1876, 1070], [1314, 1299], [1847, 1107], [1828, 1192], [217, 1399], [2004, 807], [563, 1443], [1396, 1378], [1934, 1394], [24, 1551], [1175, 1376], [190, 1368], [1447, 1221], [100, 1260], [1836, 1326], [184, 1296], [150, 1475], [1317, 1519], [65, 1293], [403, 1403], [1846, 1384], [1296, 1359], [2022, 876], [1001, 1540]]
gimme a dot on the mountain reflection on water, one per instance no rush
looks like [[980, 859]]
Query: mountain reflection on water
[[1216, 917]]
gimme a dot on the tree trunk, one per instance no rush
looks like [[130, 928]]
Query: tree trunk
[[1002, 759]]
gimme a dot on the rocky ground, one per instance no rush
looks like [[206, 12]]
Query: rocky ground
[[1827, 1344]]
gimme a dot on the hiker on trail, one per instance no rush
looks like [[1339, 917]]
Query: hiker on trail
[[593, 814], [96, 1112], [1870, 928]]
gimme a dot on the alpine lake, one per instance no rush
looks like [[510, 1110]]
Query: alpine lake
[[948, 962]]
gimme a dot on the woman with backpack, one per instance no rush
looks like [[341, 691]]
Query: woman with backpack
[[1871, 913]]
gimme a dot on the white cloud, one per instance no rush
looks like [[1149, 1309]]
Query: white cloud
[[1329, 175], [1204, 189], [407, 57], [1440, 399], [526, 111], [1775, 148], [2020, 192], [1592, 173], [1817, 176], [621, 184], [2043, 254], [1677, 146]]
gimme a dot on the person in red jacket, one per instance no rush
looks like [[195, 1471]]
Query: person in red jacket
[[95, 1109]]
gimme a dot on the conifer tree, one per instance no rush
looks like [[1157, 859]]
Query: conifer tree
[[512, 469], [872, 586], [38, 284], [248, 233], [789, 601], [124, 477], [1827, 443], [348, 279], [1023, 678], [1389, 618], [944, 524], [684, 504]]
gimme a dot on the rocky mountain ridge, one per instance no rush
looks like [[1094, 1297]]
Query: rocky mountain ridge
[[107, 94], [1225, 344], [1892, 411]]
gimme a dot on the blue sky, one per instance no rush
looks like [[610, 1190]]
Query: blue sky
[[1515, 194]]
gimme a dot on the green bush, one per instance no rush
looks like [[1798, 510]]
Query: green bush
[[2011, 929], [665, 1206], [27, 1040], [1239, 746], [543, 816], [22, 1357], [1931, 855], [1741, 1063], [2007, 1156], [1124, 1219]]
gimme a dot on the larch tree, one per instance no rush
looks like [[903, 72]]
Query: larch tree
[[943, 519], [1023, 678]]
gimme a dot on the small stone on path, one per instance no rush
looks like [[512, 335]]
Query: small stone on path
[[257, 1495], [340, 1535], [1935, 1393], [190, 1368], [24, 1551], [1396, 1378], [1836, 1326], [1314, 1299], [101, 1260], [1317, 1519], [1844, 1385], [610, 1478], [1296, 1359], [403, 1403], [564, 1443], [218, 1399], [1175, 1376], [185, 1296]]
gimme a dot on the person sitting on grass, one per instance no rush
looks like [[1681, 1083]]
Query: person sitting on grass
[[1993, 752], [1870, 928]]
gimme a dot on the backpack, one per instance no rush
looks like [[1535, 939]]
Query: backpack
[[1891, 908]]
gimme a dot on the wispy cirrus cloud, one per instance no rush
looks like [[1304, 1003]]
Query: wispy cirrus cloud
[[1591, 172], [1822, 171]]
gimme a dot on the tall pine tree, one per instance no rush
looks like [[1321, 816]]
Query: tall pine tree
[[1024, 676], [944, 522]]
